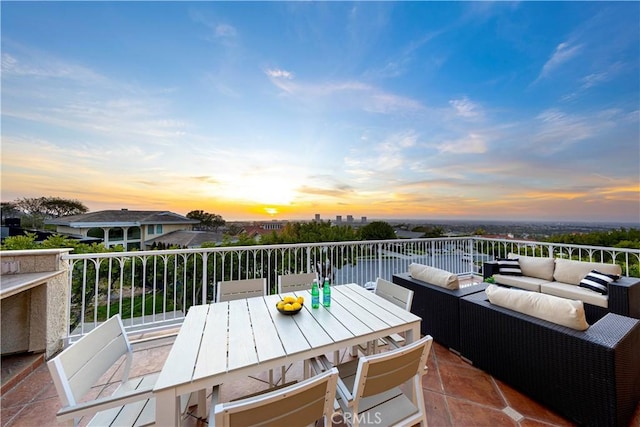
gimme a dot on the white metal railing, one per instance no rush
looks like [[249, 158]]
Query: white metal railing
[[154, 289]]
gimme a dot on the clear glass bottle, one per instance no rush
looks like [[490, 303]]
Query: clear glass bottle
[[315, 294], [326, 293]]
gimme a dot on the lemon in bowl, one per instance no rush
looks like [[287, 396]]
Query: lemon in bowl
[[290, 304]]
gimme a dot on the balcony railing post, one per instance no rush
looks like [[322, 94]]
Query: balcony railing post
[[379, 245]]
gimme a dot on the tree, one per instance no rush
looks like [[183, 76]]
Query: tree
[[207, 220], [377, 230], [56, 207], [37, 209], [429, 231]]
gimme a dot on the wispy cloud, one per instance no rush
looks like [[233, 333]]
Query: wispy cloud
[[472, 143], [557, 130], [465, 108], [52, 91], [279, 74], [343, 94], [563, 53]]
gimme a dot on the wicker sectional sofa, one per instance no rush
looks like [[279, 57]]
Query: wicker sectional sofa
[[561, 277], [591, 377]]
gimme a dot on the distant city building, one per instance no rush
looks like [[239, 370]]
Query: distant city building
[[317, 217], [349, 219], [338, 219], [363, 219]]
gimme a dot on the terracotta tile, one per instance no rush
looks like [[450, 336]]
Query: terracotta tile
[[148, 360], [7, 415], [42, 414], [48, 392], [444, 355], [28, 389], [529, 407], [466, 413], [431, 380], [437, 409], [467, 382]]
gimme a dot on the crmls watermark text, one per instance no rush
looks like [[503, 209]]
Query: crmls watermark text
[[369, 418]]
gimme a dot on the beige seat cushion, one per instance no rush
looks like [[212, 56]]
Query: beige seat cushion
[[562, 311], [522, 282], [566, 290], [572, 272], [434, 276], [540, 267]]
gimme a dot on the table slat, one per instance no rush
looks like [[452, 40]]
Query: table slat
[[268, 345], [183, 355], [214, 346], [242, 349], [291, 336]]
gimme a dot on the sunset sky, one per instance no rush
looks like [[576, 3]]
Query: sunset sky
[[260, 110]]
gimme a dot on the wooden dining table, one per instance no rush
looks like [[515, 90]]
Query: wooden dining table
[[223, 341]]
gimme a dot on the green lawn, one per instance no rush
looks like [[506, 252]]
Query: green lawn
[[137, 306]]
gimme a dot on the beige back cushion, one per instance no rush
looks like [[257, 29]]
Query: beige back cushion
[[572, 272], [433, 275], [562, 311], [540, 267]]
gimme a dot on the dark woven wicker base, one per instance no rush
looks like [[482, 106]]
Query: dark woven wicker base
[[591, 377], [438, 307]]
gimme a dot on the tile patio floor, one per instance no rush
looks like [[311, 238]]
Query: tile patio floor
[[456, 393]]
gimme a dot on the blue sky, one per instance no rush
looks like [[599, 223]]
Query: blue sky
[[518, 111]]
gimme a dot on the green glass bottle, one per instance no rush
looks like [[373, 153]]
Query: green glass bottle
[[326, 293], [315, 294]]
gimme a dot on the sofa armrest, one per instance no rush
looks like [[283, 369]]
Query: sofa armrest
[[624, 297], [490, 268], [438, 307]]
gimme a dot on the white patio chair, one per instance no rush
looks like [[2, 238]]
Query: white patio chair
[[295, 282], [79, 367], [238, 289], [369, 388], [398, 295], [303, 403]]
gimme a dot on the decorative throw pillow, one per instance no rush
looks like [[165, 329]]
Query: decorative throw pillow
[[509, 266], [434, 276], [562, 311], [597, 281]]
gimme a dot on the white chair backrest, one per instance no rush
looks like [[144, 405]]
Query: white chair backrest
[[78, 368], [295, 282], [384, 371], [399, 295], [238, 289], [302, 403]]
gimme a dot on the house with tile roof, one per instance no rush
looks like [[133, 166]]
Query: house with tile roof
[[131, 229]]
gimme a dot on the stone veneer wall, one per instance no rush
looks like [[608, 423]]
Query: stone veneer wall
[[44, 308]]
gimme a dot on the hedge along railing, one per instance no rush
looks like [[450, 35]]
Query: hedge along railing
[[154, 289]]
